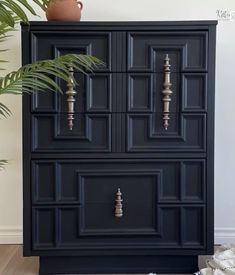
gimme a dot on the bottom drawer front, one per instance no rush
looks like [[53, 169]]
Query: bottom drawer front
[[160, 209], [62, 228]]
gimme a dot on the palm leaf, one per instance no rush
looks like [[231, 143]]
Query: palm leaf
[[26, 5], [41, 74], [11, 8], [2, 163], [6, 16], [4, 110]]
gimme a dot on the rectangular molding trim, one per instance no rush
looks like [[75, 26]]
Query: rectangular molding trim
[[11, 235], [224, 235], [14, 235]]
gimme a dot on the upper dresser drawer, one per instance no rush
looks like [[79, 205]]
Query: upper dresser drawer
[[188, 51], [47, 45], [121, 51]]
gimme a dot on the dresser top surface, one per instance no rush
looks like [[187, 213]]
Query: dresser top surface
[[120, 23], [115, 25]]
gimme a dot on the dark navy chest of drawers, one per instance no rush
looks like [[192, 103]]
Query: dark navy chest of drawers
[[130, 188]]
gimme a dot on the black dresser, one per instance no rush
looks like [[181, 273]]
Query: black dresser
[[119, 175]]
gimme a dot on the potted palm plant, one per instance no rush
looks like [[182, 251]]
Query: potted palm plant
[[38, 75]]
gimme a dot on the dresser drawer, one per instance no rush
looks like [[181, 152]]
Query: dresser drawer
[[187, 50], [117, 109], [151, 126], [97, 44], [186, 133], [75, 201], [144, 93], [132, 92], [94, 94], [91, 133]]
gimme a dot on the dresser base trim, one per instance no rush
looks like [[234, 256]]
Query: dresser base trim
[[118, 264]]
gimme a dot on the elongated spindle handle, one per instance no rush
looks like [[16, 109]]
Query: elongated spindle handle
[[71, 93], [118, 204], [166, 92]]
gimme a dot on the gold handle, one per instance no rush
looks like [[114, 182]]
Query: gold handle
[[118, 204], [166, 92], [71, 93]]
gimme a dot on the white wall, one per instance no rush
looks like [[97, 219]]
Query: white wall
[[10, 129]]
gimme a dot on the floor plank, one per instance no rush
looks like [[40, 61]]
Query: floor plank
[[13, 263]]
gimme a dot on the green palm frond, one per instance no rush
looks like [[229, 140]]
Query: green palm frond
[[2, 163], [43, 72], [11, 8], [4, 110], [4, 30]]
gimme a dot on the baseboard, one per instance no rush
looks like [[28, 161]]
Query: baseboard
[[14, 235], [11, 235], [224, 235]]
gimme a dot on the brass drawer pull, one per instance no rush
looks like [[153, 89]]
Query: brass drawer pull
[[71, 93], [118, 204], [166, 92]]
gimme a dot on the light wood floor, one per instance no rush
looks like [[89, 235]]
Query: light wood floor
[[13, 263]]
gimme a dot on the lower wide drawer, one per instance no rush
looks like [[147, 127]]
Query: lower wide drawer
[[75, 204]]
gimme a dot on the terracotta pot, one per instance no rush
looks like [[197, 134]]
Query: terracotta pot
[[64, 10]]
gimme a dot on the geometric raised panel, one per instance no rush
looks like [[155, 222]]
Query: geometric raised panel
[[170, 223], [68, 220], [194, 92], [193, 219], [44, 101], [91, 133], [144, 93], [142, 134], [194, 131], [140, 93], [169, 187], [97, 191], [99, 93], [67, 184], [44, 227], [43, 180], [94, 94], [186, 50], [97, 44], [193, 181]]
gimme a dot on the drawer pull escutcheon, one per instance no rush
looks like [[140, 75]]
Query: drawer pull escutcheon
[[118, 204], [166, 92], [70, 93]]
